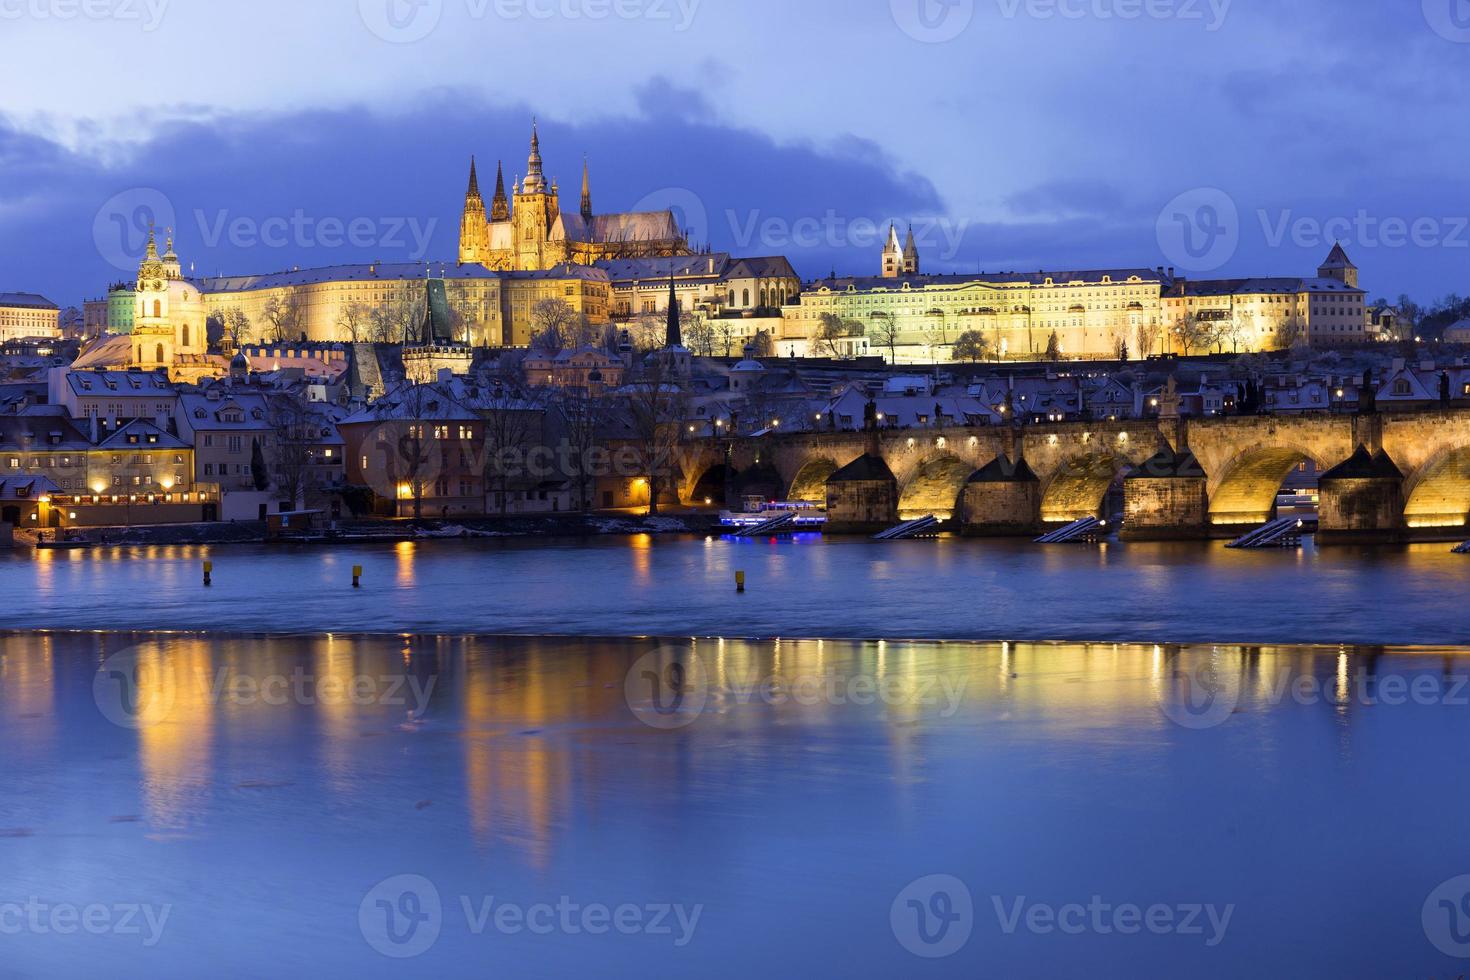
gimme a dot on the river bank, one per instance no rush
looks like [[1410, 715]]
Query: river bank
[[357, 532]]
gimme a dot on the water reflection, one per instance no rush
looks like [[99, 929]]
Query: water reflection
[[275, 778]]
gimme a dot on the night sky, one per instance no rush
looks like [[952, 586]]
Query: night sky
[[1221, 137]]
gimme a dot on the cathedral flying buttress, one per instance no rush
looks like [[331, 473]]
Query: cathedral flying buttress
[[527, 231]]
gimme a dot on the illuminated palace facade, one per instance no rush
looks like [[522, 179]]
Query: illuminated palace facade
[[1092, 314]]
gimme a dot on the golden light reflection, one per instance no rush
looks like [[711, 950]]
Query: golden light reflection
[[176, 729]]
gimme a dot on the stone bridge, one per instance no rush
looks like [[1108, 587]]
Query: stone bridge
[[1230, 470]]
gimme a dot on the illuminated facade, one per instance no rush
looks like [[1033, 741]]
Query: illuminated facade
[[28, 315], [528, 231]]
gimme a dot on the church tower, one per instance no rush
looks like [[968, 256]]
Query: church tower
[[893, 257], [1338, 266], [474, 232], [500, 207], [536, 208], [910, 255], [169, 320]]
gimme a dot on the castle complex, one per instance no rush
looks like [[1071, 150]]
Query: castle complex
[[522, 251], [534, 233]]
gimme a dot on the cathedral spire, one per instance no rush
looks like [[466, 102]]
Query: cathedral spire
[[535, 179], [674, 335], [474, 192], [152, 252], [586, 191], [500, 208]]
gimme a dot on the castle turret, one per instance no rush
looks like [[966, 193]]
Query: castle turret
[[1338, 266], [892, 255]]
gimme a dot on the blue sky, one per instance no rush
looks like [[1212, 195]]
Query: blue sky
[[1221, 137]]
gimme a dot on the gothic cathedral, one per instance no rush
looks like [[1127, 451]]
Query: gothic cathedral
[[535, 233]]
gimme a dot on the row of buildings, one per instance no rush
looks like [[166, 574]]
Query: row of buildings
[[521, 256]]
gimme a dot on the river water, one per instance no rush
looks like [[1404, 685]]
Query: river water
[[811, 587], [423, 802]]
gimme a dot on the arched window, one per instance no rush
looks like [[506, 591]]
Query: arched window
[[745, 296], [159, 359], [186, 335], [732, 297], [158, 308]]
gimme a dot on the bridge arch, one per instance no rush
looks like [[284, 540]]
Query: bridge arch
[[935, 488], [1245, 491], [810, 483], [1437, 495], [1080, 486]]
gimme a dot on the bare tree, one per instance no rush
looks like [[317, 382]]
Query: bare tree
[[657, 408], [884, 333], [725, 334], [699, 336], [581, 417], [513, 425], [282, 316], [553, 323], [292, 451], [834, 330], [354, 321], [1148, 338], [763, 344]]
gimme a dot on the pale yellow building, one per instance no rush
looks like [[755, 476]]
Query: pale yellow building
[[28, 315], [383, 303]]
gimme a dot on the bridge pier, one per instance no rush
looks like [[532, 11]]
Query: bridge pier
[[1362, 501], [1166, 498], [862, 497], [1002, 499]]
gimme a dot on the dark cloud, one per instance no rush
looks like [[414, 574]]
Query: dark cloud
[[301, 180]]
